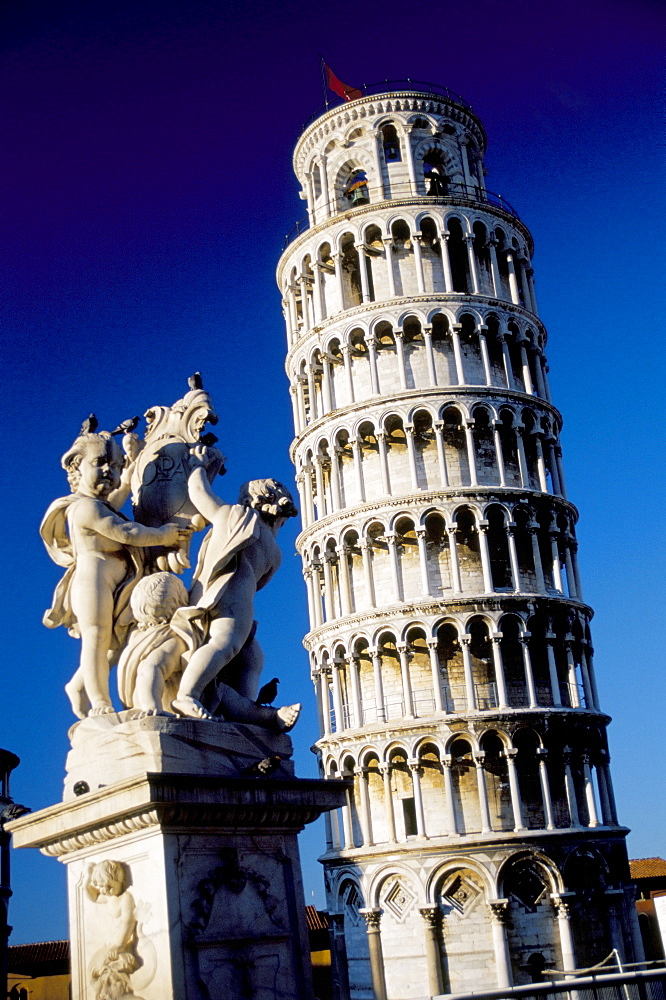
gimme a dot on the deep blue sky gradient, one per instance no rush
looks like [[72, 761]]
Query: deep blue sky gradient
[[147, 187]]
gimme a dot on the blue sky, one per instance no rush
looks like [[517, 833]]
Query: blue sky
[[148, 186]]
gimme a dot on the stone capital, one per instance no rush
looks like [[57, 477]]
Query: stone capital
[[499, 909], [372, 917], [431, 914]]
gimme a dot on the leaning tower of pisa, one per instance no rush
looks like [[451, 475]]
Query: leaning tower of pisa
[[449, 638]]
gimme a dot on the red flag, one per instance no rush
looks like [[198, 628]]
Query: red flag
[[340, 88]]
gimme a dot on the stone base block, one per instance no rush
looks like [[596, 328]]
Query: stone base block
[[116, 747]]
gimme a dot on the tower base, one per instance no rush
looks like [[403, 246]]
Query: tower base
[[183, 885]]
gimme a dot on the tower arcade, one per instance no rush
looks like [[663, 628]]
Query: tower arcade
[[449, 639]]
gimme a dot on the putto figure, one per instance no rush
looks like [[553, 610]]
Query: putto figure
[[112, 967], [238, 557], [101, 552]]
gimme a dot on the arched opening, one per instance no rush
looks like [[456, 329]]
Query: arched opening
[[391, 144], [522, 517], [498, 549], [455, 447], [369, 448], [482, 254], [527, 744], [483, 671], [438, 554], [425, 451], [487, 471], [435, 175], [360, 363], [465, 917], [398, 459], [420, 673], [458, 257], [513, 660], [387, 364], [469, 553], [431, 254], [373, 247], [504, 291], [471, 351], [495, 353], [532, 934], [496, 775], [465, 789], [445, 364], [415, 362], [403, 795], [403, 259], [432, 788], [329, 293], [509, 442], [408, 559], [351, 277], [452, 671]]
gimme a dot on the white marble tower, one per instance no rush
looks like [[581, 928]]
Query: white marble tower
[[449, 639]]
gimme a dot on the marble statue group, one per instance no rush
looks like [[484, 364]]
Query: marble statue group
[[191, 653]]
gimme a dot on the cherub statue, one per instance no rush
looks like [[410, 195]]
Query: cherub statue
[[238, 557], [151, 665], [113, 965], [101, 552]]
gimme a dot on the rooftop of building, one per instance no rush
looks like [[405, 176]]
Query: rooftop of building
[[647, 868]]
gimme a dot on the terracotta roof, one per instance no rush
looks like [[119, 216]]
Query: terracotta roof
[[317, 919], [35, 954], [647, 867]]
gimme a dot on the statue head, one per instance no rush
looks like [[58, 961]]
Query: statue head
[[93, 465], [157, 597], [108, 878], [269, 497]]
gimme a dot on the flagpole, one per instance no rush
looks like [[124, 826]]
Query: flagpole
[[322, 66]]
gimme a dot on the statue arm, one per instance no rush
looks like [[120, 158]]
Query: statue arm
[[202, 496], [102, 521]]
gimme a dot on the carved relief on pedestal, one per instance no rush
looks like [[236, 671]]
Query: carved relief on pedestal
[[118, 932]]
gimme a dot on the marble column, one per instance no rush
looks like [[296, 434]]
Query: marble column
[[372, 921], [430, 357], [432, 919], [415, 767], [441, 454], [500, 681], [449, 802], [546, 798], [435, 673], [514, 788], [484, 809], [562, 904], [385, 771], [383, 462], [366, 558], [411, 455], [407, 699], [379, 686], [499, 913], [361, 774]]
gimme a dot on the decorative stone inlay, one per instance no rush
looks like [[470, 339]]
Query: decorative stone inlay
[[399, 898], [461, 893], [352, 905]]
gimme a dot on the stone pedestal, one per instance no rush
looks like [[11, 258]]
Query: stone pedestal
[[184, 880]]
